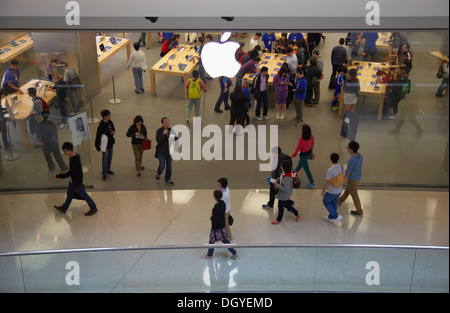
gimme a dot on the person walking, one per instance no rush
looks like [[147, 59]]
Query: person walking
[[104, 142], [285, 189], [138, 64], [353, 175], [163, 151], [138, 133], [278, 158], [47, 134], [238, 104], [218, 230], [330, 193], [225, 84], [76, 181], [222, 185], [193, 94], [305, 147]]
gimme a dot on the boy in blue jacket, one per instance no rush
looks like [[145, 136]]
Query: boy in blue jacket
[[299, 95]]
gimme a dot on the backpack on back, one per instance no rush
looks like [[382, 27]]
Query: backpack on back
[[194, 91]]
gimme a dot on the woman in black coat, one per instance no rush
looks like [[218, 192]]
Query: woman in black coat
[[218, 230], [238, 106]]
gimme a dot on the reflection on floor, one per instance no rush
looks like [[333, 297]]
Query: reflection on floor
[[177, 217]]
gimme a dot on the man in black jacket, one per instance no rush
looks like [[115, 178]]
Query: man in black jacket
[[105, 127], [260, 92], [163, 152], [76, 181]]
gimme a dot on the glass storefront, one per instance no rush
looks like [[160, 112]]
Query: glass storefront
[[407, 148]]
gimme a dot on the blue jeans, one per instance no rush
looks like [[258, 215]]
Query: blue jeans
[[303, 163], [163, 161], [223, 97], [83, 194], [106, 160], [442, 87], [137, 75], [330, 202]]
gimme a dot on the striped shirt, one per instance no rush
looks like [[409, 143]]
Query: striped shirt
[[334, 171]]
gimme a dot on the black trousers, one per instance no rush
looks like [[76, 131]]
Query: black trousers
[[3, 130], [332, 83]]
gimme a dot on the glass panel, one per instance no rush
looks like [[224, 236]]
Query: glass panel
[[32, 150]]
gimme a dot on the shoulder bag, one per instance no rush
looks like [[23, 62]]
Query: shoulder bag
[[339, 180]]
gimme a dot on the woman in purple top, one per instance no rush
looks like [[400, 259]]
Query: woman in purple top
[[281, 81]]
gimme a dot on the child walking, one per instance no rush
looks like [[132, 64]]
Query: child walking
[[285, 188], [337, 89]]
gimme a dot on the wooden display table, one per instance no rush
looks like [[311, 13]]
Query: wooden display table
[[24, 43], [383, 41], [367, 80], [104, 56], [168, 64], [273, 62], [23, 110]]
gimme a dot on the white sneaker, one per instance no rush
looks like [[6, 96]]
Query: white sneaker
[[329, 219], [337, 220], [278, 116], [266, 117], [63, 125], [283, 116], [259, 118]]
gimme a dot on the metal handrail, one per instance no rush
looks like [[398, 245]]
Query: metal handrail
[[218, 246]]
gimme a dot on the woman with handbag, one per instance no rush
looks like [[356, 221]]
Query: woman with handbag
[[138, 134], [218, 230], [305, 147], [333, 189]]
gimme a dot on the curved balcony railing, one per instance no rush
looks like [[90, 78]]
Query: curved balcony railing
[[259, 268]]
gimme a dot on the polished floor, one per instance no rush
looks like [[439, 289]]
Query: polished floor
[[178, 217]]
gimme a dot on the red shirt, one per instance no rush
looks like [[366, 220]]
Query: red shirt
[[303, 146]]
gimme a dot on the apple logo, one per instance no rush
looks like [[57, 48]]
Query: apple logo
[[218, 58]]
